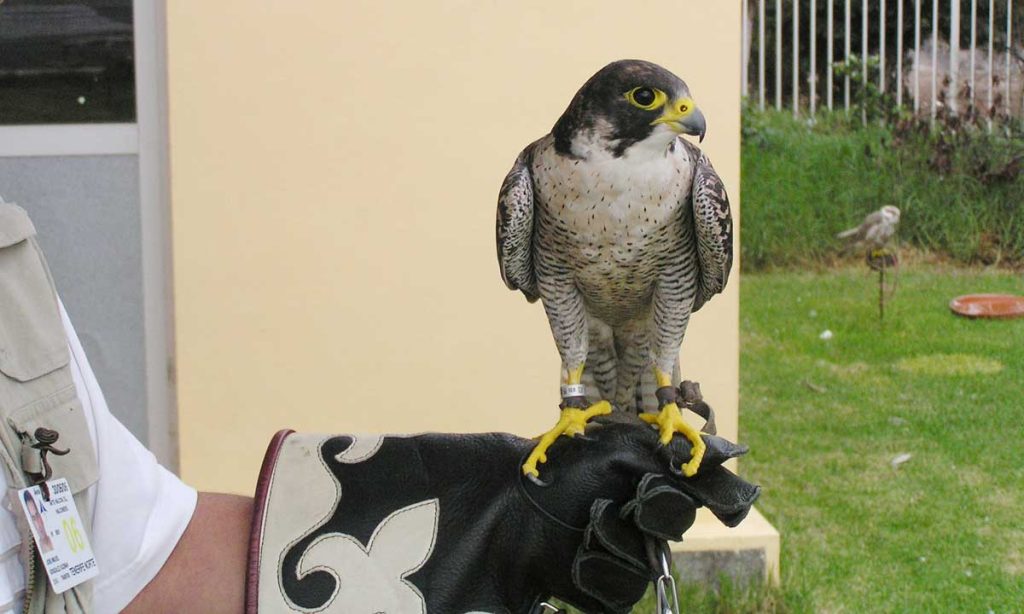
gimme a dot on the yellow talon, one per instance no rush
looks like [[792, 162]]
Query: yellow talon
[[670, 421], [572, 422]]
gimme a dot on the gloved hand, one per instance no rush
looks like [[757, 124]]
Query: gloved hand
[[448, 524], [623, 489]]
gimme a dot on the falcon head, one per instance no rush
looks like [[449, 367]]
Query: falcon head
[[627, 103], [890, 214]]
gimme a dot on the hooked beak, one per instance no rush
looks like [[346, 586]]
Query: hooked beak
[[684, 117], [695, 125]]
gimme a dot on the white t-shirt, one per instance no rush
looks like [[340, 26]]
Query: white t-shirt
[[140, 509]]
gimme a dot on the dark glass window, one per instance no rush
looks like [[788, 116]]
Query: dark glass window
[[66, 62]]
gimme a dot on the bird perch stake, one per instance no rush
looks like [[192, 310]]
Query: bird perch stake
[[881, 292], [880, 260], [875, 233]]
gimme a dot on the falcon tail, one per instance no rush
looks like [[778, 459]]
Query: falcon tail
[[848, 233]]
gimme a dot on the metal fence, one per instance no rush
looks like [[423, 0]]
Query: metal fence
[[957, 54]]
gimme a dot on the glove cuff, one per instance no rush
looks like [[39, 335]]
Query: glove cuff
[[252, 575], [395, 524]]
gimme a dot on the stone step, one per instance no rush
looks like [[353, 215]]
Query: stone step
[[744, 553]]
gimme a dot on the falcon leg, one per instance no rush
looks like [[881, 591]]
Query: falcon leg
[[572, 422], [672, 304], [570, 327], [669, 421]]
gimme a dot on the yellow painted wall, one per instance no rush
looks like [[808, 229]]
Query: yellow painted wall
[[334, 172]]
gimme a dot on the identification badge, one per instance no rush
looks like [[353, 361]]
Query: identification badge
[[60, 537]]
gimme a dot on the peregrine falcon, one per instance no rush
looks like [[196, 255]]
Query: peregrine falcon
[[875, 232], [622, 228]]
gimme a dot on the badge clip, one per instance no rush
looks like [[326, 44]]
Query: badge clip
[[44, 440]]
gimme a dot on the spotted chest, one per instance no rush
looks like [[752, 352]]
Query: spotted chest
[[613, 222]]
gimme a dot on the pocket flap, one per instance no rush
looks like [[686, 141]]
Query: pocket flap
[[62, 412], [14, 225], [32, 340]]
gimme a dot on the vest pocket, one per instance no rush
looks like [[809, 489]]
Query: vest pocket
[[32, 341], [61, 412]]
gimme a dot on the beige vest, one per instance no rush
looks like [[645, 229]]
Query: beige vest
[[36, 390]]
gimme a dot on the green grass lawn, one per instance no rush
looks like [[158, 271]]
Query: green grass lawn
[[824, 418], [960, 192], [943, 532]]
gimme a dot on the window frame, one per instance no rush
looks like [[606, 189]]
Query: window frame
[[27, 140]]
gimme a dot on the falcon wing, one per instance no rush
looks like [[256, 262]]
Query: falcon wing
[[515, 228], [713, 224], [858, 233]]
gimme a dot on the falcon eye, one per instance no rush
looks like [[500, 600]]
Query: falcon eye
[[646, 98]]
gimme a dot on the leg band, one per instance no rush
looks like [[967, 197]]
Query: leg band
[[573, 390]]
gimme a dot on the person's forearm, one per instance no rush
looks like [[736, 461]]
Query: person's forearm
[[206, 571]]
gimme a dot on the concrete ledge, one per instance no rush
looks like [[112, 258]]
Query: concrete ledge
[[744, 553]]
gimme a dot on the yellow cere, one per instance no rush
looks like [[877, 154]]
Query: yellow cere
[[676, 111]]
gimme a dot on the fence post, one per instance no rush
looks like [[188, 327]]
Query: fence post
[[954, 54], [974, 44], [796, 59], [881, 46], [917, 56], [760, 53], [1009, 51], [746, 50], [935, 56], [991, 81], [899, 53], [778, 55], [864, 62], [846, 73], [812, 79], [830, 57]]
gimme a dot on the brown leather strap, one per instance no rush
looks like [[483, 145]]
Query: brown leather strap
[[693, 399]]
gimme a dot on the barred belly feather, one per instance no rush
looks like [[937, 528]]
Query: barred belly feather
[[612, 224], [616, 228]]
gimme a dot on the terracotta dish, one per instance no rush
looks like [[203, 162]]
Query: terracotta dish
[[988, 306]]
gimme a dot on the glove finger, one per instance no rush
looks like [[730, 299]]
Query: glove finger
[[728, 496], [613, 582], [608, 530], [660, 509]]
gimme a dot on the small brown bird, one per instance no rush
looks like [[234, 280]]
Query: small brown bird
[[875, 232]]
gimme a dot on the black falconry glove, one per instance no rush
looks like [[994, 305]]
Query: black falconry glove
[[448, 524]]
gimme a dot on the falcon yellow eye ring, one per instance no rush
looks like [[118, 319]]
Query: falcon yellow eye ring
[[646, 98]]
